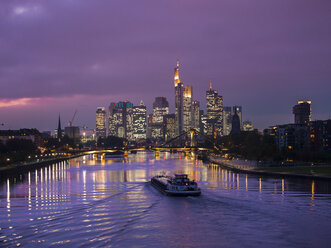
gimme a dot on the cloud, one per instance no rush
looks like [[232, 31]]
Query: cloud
[[261, 54], [7, 103]]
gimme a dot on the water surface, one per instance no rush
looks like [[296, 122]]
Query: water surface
[[110, 203]]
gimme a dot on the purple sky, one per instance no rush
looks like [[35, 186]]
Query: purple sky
[[58, 56]]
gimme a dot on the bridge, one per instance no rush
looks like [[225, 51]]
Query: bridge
[[164, 147]]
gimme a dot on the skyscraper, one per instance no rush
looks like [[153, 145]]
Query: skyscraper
[[302, 112], [187, 108], [235, 123], [196, 115], [214, 111], [238, 110], [169, 125], [227, 120], [139, 121], [101, 122], [160, 108], [120, 120], [179, 88]]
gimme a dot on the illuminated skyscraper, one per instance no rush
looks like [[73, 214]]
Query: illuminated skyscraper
[[179, 88], [112, 121], [101, 122], [160, 109], [139, 121], [120, 120], [196, 115], [169, 125], [187, 108], [214, 111], [302, 112]]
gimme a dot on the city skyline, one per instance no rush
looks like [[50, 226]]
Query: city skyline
[[125, 54]]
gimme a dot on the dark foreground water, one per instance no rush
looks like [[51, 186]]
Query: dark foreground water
[[110, 203]]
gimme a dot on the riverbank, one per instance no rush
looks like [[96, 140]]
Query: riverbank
[[311, 172], [19, 169]]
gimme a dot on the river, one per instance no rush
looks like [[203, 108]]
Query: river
[[110, 203]]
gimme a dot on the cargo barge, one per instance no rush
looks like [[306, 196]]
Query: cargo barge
[[179, 185]]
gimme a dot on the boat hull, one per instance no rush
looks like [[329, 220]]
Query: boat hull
[[183, 193]]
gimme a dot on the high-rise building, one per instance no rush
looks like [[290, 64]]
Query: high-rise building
[[238, 110], [187, 108], [101, 122], [169, 125], [160, 109], [206, 127], [179, 90], [235, 123], [139, 121], [120, 120], [302, 112], [196, 115], [227, 120], [214, 110], [149, 126]]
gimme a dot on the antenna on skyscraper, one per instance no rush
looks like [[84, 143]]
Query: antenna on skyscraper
[[210, 83]]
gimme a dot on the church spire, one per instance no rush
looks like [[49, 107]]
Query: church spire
[[59, 129]]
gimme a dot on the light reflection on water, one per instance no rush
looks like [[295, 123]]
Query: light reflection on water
[[109, 202]]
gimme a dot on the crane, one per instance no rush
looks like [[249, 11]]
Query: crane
[[70, 122]]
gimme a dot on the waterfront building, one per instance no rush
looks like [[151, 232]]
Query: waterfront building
[[289, 136], [179, 90], [196, 115], [160, 109], [302, 112], [227, 120], [248, 126], [22, 134], [120, 119], [169, 125], [101, 122], [238, 110], [187, 108], [139, 121], [214, 111], [320, 135]]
